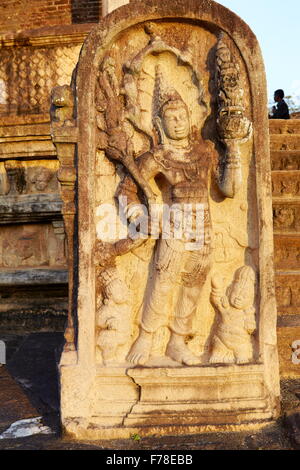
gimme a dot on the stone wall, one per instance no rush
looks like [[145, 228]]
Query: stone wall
[[285, 159], [39, 49], [38, 13]]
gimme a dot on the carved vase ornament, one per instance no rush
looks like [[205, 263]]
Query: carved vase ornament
[[165, 180]]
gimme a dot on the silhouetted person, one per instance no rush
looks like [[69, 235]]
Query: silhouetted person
[[281, 110]]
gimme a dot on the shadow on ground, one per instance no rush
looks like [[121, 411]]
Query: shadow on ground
[[29, 388]]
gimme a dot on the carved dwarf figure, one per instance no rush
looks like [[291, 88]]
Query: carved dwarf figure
[[113, 316], [40, 178], [185, 162], [232, 341]]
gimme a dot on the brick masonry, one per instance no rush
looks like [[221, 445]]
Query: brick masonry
[[38, 13]]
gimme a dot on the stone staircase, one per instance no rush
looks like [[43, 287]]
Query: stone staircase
[[285, 161]]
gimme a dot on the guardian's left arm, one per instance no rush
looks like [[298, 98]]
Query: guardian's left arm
[[230, 173]]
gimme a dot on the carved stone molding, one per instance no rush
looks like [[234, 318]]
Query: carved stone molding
[[64, 135]]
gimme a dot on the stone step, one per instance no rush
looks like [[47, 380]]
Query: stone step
[[284, 126], [33, 276], [286, 216], [290, 320], [287, 253], [25, 208], [285, 160], [285, 142], [285, 184], [288, 292]]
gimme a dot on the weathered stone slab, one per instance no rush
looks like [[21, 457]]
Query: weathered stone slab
[[33, 277], [34, 147], [33, 246], [30, 208], [167, 332]]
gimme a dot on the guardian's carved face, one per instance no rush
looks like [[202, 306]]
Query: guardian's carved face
[[175, 120]]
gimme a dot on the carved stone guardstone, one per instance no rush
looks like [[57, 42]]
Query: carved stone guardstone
[[165, 178]]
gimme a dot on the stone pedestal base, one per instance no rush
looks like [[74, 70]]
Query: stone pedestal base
[[166, 401]]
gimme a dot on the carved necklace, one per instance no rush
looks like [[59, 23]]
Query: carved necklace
[[192, 167]]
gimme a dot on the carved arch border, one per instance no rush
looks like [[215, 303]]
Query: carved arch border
[[157, 46]]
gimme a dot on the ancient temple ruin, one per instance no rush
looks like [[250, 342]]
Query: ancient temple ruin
[[172, 326]]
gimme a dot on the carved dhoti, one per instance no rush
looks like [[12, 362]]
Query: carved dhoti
[[178, 279]]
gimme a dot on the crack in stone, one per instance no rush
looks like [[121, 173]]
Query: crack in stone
[[136, 402]]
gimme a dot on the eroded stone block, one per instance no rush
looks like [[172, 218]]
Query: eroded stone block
[[287, 253], [288, 292], [32, 245]]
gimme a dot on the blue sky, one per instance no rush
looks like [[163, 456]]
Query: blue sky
[[276, 26]]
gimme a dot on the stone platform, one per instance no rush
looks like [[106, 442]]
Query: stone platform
[[29, 389]]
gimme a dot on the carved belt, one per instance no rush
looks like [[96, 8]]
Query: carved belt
[[187, 191]]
